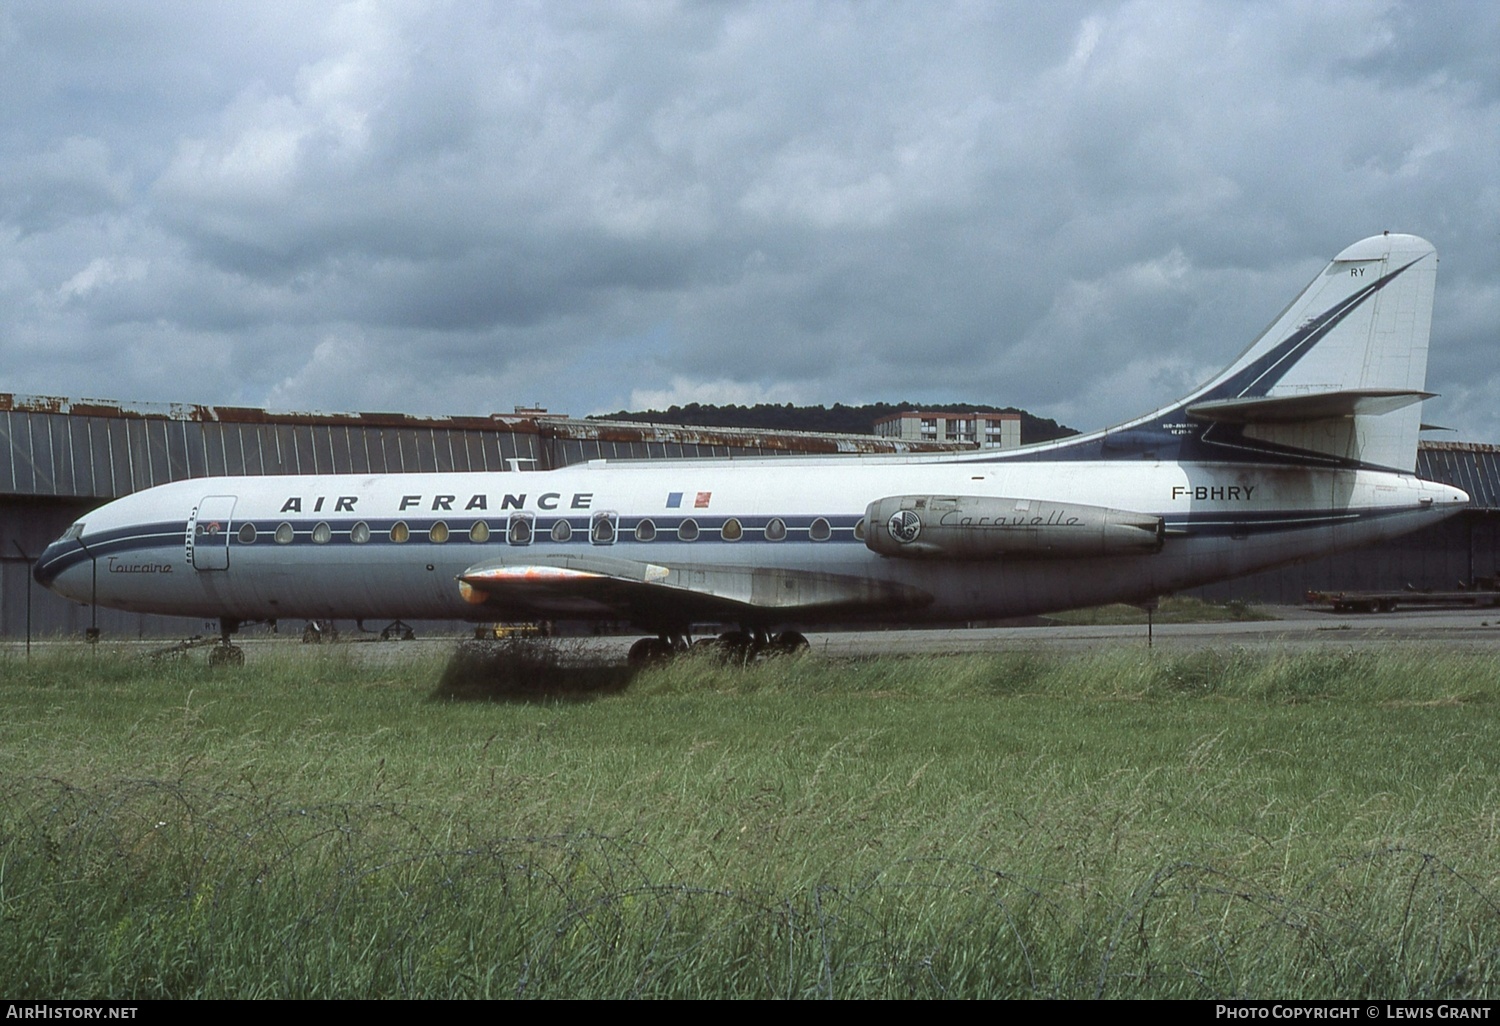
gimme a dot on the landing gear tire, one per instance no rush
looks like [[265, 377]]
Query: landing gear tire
[[226, 655], [733, 647], [650, 652], [789, 643]]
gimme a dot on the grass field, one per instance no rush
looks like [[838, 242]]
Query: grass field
[[1122, 824]]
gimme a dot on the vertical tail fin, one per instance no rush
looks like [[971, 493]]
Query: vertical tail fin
[[1341, 372]]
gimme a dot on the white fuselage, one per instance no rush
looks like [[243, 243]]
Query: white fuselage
[[331, 546]]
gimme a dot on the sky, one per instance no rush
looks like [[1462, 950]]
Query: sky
[[1083, 209]]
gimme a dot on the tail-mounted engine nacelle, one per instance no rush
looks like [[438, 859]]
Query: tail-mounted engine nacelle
[[981, 527]]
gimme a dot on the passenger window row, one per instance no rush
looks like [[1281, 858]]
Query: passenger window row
[[520, 529]]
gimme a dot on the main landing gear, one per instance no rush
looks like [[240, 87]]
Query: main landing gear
[[739, 647]]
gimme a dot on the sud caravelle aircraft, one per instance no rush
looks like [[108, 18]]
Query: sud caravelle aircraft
[[1305, 444]]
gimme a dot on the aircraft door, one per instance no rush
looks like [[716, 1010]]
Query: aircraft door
[[208, 532]]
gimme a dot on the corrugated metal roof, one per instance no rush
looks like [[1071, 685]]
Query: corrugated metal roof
[[97, 449]]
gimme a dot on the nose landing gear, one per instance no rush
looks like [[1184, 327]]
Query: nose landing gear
[[226, 653]]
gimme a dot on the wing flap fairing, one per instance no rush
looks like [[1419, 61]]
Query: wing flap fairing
[[652, 592]]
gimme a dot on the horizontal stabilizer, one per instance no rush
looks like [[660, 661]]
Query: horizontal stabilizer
[[1286, 409]]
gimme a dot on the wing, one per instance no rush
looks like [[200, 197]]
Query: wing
[[658, 596]]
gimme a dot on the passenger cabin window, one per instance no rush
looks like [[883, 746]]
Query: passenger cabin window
[[820, 531], [731, 531], [645, 531], [400, 532], [437, 533], [247, 534], [520, 530], [359, 533], [322, 533], [562, 531], [776, 529], [687, 530], [480, 532], [284, 533], [602, 529]]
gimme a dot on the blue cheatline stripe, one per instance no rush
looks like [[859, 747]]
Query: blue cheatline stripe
[[155, 536]]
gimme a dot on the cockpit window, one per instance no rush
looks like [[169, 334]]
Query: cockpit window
[[73, 533]]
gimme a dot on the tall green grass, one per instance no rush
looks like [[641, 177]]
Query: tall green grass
[[1119, 824]]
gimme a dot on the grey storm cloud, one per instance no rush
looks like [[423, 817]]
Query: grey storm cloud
[[1078, 208]]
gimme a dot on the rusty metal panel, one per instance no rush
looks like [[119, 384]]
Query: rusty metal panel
[[390, 448], [260, 447], [442, 451], [323, 441], [65, 481], [427, 448], [373, 440], [304, 456], [411, 456], [364, 452], [282, 459], [467, 455], [43, 453], [500, 449], [194, 463], [139, 449], [426, 442], [227, 450], [101, 454], [80, 458], [338, 450], [119, 454], [234, 449], [536, 450], [40, 457], [8, 481], [495, 449], [313, 457], [20, 436], [214, 456], [482, 449], [156, 451]]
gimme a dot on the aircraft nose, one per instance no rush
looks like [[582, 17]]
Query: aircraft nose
[[58, 565]]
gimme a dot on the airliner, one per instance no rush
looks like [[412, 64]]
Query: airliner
[[1305, 444]]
